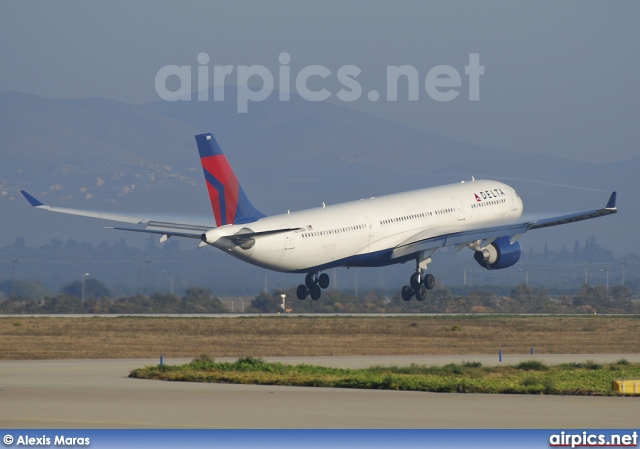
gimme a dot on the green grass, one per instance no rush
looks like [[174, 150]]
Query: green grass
[[531, 377]]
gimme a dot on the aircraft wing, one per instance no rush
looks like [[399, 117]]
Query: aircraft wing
[[610, 208], [484, 236], [166, 228]]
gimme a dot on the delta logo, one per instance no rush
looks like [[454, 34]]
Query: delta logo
[[488, 194]]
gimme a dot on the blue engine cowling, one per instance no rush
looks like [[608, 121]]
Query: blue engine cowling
[[499, 254]]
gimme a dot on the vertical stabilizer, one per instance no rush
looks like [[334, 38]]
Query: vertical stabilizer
[[228, 200]]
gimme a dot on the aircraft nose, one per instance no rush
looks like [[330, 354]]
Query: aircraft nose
[[520, 205]]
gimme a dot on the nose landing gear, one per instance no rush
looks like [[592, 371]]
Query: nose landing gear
[[313, 285]]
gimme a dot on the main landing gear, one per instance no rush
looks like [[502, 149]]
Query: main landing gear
[[313, 285], [419, 282]]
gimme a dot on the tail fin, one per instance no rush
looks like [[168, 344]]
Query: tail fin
[[228, 200]]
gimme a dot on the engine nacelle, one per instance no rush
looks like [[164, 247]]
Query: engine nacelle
[[499, 254], [224, 238], [212, 236], [216, 237]]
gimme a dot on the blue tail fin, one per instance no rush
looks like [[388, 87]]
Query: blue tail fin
[[229, 202]]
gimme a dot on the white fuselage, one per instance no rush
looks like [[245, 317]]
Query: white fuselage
[[365, 232]]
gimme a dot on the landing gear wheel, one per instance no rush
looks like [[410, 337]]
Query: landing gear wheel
[[414, 281], [323, 280], [309, 281], [315, 292], [407, 293], [302, 292], [421, 293], [429, 281]]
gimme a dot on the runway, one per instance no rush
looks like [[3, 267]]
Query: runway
[[98, 394]]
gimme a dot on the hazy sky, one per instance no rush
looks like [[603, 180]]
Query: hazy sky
[[559, 77]]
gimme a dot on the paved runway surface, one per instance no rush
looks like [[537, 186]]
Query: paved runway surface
[[98, 394]]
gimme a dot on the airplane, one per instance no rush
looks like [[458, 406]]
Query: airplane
[[482, 215]]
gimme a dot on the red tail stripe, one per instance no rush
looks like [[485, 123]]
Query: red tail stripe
[[219, 167]]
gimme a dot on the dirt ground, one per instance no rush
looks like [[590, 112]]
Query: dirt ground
[[147, 337]]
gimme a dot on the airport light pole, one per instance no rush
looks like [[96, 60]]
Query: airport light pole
[[170, 281], [83, 277], [266, 281], [13, 275], [606, 271], [284, 304], [526, 276], [146, 273], [355, 272], [586, 276]]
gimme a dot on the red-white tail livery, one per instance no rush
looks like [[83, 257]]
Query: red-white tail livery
[[483, 216], [228, 200]]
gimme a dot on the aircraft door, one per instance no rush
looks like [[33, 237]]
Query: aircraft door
[[289, 241], [459, 208], [370, 226]]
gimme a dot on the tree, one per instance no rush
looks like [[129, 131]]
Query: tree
[[121, 245], [593, 252], [564, 255], [19, 305], [165, 303], [593, 297], [577, 252], [535, 300], [93, 288], [266, 303], [71, 244], [200, 300], [23, 289], [62, 304]]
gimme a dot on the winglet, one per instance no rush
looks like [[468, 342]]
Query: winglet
[[611, 204], [34, 202]]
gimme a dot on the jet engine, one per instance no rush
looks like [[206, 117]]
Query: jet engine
[[499, 254]]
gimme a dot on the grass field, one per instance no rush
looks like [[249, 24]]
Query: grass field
[[148, 337], [530, 377]]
